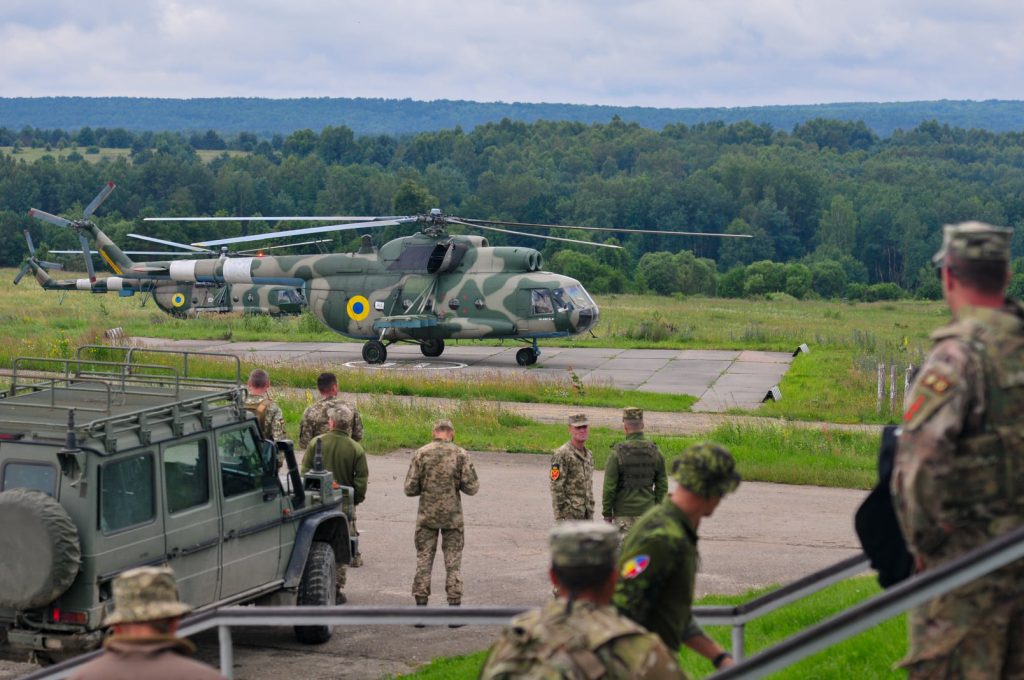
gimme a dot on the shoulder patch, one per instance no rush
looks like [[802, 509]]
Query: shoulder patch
[[556, 472], [936, 382], [930, 394], [635, 566]]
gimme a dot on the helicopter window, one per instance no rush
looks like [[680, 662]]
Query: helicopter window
[[562, 302], [479, 303], [540, 299], [578, 295], [454, 303], [413, 258]]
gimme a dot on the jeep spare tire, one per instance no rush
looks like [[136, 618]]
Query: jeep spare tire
[[39, 549]]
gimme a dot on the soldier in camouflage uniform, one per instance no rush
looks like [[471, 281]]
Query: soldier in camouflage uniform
[[658, 564], [314, 418], [634, 476], [438, 473], [346, 460], [958, 480], [145, 620], [314, 422], [260, 403], [572, 473], [580, 635]]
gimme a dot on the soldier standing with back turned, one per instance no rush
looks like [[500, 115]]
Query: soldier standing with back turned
[[958, 480], [261, 404], [572, 473], [634, 476]]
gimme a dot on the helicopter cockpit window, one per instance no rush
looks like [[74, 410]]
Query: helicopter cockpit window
[[562, 303], [577, 295], [289, 295], [540, 300]]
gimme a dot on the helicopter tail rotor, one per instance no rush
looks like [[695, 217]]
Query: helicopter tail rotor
[[81, 226], [33, 262]]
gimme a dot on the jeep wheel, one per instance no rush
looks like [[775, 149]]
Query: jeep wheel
[[37, 529], [317, 588]]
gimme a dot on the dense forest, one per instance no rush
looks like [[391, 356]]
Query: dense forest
[[406, 116], [835, 209]]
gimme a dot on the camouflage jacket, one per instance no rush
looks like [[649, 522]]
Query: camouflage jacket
[[159, 659], [657, 572], [314, 420], [269, 416], [345, 459], [589, 642], [634, 478], [572, 482], [437, 474]]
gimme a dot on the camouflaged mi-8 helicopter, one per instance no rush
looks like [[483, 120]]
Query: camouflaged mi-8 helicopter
[[178, 298]]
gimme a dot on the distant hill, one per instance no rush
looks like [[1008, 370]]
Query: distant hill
[[405, 116]]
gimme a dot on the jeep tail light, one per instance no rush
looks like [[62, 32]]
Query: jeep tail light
[[73, 617]]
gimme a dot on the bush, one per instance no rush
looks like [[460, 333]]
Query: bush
[[884, 291]]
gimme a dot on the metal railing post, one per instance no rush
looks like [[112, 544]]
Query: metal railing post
[[227, 652], [738, 631]]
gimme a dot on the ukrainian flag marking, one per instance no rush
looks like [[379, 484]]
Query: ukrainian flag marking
[[178, 300], [358, 307]]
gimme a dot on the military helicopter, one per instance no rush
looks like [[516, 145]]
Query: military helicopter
[[423, 289], [177, 298]]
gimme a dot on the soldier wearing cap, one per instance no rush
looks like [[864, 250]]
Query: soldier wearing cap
[[572, 473], [658, 564], [580, 634], [634, 476], [144, 621], [959, 469], [346, 460], [439, 473]]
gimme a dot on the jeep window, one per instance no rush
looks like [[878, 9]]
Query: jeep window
[[126, 493], [241, 467], [186, 475], [37, 476]]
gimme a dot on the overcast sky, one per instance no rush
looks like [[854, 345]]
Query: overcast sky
[[675, 53]]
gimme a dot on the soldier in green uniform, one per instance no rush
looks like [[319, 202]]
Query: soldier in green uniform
[[346, 460], [634, 476], [958, 479], [572, 473], [580, 635], [658, 564], [261, 404]]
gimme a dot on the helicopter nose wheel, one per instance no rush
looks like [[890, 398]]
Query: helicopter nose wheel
[[432, 348], [527, 356], [374, 352]]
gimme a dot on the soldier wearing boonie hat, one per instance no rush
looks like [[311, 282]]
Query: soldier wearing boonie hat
[[634, 475], [949, 482], [346, 460], [658, 564], [572, 473], [145, 619], [580, 634]]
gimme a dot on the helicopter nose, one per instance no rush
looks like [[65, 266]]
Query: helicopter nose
[[587, 319]]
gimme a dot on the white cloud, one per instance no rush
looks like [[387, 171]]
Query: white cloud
[[648, 52]]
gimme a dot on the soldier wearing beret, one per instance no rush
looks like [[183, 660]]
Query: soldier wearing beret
[[346, 460], [634, 476], [658, 564], [580, 635], [145, 622], [439, 473], [572, 473], [958, 479]]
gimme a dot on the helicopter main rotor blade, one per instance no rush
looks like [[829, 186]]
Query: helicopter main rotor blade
[[523, 233], [100, 197], [308, 230], [173, 244], [31, 246], [166, 253], [272, 218], [88, 258], [47, 217], [286, 245], [614, 229]]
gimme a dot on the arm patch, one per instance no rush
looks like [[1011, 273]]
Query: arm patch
[[930, 393]]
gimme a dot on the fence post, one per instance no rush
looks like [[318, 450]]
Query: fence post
[[906, 382], [881, 387], [737, 641], [227, 652], [892, 388]]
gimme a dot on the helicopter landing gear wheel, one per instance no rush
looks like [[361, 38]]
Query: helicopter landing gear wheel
[[432, 348], [527, 356], [374, 352]]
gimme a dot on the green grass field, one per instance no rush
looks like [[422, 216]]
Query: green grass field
[[867, 656]]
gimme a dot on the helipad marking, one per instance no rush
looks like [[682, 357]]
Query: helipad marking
[[421, 365]]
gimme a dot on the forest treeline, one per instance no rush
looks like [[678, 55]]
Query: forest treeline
[[368, 116], [835, 210]]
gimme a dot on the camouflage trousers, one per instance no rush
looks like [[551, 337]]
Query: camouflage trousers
[[452, 542], [975, 632]]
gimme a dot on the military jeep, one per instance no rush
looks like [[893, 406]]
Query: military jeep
[[108, 464]]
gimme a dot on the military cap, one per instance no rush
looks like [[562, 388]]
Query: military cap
[[706, 469], [578, 420], [443, 424], [633, 413], [974, 241], [145, 594], [341, 414], [584, 544]]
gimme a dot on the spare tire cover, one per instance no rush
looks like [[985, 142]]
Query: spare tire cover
[[39, 549]]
